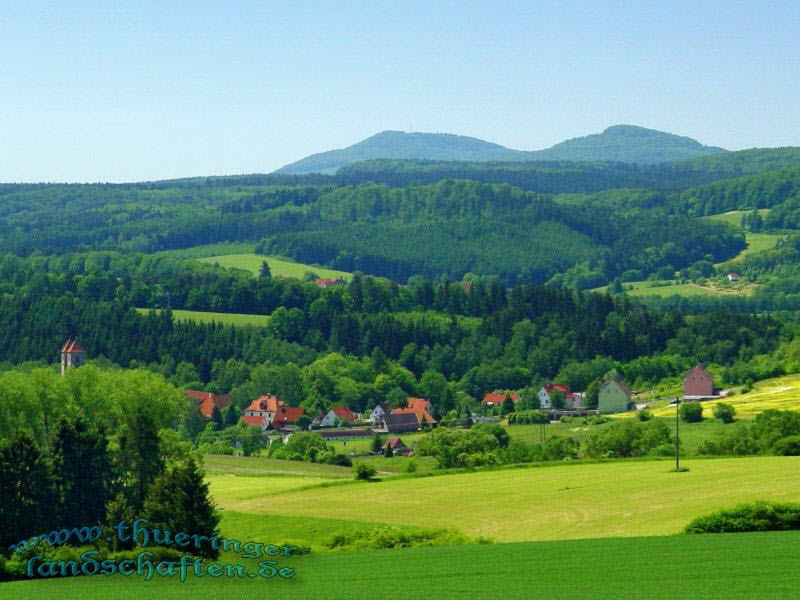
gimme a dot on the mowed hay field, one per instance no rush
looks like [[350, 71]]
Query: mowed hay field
[[737, 566], [620, 498], [278, 266], [200, 316]]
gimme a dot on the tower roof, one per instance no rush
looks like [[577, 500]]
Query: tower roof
[[73, 347]]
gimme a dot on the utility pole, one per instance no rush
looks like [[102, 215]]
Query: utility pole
[[677, 434]]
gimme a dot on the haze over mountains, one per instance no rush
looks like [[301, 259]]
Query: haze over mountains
[[623, 143]]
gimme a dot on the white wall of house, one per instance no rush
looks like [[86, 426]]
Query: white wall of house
[[376, 414], [544, 398], [330, 419]]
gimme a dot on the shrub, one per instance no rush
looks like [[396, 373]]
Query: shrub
[[691, 412], [411, 467], [756, 516], [644, 414], [788, 446], [364, 471], [724, 412], [392, 536], [339, 459], [559, 448], [625, 438]]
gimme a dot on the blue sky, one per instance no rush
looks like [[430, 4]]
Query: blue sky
[[129, 91]]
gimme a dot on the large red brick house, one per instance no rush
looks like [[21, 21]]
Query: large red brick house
[[698, 384]]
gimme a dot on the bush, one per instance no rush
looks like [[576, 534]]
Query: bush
[[392, 536], [691, 412], [724, 412], [788, 446], [756, 516], [559, 448], [625, 438], [364, 471], [644, 414], [411, 467], [339, 459]]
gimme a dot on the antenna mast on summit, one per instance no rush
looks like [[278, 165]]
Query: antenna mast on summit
[[410, 128]]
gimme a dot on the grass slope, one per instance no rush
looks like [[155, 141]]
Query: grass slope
[[731, 566], [278, 266], [215, 317], [560, 502], [782, 393]]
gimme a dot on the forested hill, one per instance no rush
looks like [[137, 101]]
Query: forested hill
[[627, 143], [397, 144], [621, 143]]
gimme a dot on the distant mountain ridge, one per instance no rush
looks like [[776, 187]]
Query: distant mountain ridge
[[622, 143]]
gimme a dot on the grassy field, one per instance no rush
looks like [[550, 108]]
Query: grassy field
[[256, 465], [619, 498], [756, 242], [734, 217], [215, 317], [278, 266], [698, 567]]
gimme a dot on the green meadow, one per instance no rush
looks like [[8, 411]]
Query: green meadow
[[279, 267], [734, 217], [617, 498], [200, 316], [697, 567]]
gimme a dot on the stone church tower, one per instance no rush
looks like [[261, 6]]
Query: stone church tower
[[72, 355]]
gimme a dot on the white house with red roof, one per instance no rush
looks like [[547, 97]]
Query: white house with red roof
[[270, 411], [546, 399], [72, 355], [338, 415]]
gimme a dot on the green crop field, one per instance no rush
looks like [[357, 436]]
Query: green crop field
[[215, 317], [617, 498], [646, 288], [698, 567], [257, 465], [278, 266]]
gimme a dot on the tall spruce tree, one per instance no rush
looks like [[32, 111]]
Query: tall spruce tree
[[26, 491], [179, 500], [139, 458], [231, 415], [82, 471], [216, 418]]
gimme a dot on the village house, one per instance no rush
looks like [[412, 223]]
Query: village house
[[206, 401], [614, 395], [492, 399], [378, 412], [419, 407], [269, 411], [698, 384], [72, 355], [397, 446], [338, 415], [545, 396], [733, 277], [399, 423]]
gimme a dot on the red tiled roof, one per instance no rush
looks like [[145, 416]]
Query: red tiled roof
[[418, 403], [207, 400], [498, 398], [252, 420], [288, 415], [344, 413], [423, 416], [267, 403], [394, 442], [559, 387], [72, 346]]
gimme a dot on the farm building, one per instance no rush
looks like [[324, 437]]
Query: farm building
[[733, 277], [698, 384], [614, 395], [397, 446], [545, 395], [399, 423]]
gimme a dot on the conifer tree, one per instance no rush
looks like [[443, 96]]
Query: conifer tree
[[179, 501], [139, 457], [82, 472], [231, 415], [216, 418]]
